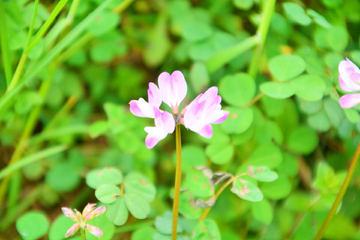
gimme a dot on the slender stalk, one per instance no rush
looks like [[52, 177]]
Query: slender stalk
[[83, 235], [32, 24], [262, 31], [177, 183], [341, 193], [227, 183], [255, 99], [60, 114], [4, 44], [122, 6]]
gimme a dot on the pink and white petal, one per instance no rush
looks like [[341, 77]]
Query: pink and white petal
[[141, 108], [355, 77], [72, 230], [154, 95], [219, 116], [206, 131], [69, 213], [179, 87], [167, 122], [353, 65], [94, 230], [190, 115], [155, 135], [344, 86], [164, 87], [95, 213], [345, 69], [88, 209], [349, 100]]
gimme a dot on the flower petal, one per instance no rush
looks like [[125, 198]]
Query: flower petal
[[141, 108], [95, 213], [88, 209], [72, 230], [154, 95], [206, 131], [344, 86], [349, 100], [69, 213], [165, 121], [345, 69], [173, 88], [94, 230], [219, 116]]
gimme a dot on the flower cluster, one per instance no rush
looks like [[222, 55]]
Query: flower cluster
[[89, 212], [198, 116], [349, 80]]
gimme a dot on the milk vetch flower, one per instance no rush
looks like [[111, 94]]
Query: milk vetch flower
[[197, 116], [89, 212], [349, 80]]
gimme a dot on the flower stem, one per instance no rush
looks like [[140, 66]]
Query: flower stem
[[227, 183], [341, 193], [177, 183], [83, 235]]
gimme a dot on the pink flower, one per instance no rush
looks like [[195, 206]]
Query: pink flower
[[89, 213], [203, 111], [198, 115], [349, 80]]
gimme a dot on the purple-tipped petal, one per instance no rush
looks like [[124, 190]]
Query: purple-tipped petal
[[349, 100], [141, 108], [69, 213], [154, 95], [167, 122], [206, 131], [344, 86], [355, 77], [72, 230], [345, 69], [88, 209], [94, 230], [219, 116], [95, 213], [173, 89]]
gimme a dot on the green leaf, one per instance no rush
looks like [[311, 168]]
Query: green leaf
[[142, 187], [289, 165], [164, 224], [145, 233], [237, 90], [352, 115], [239, 120], [208, 230], [247, 190], [202, 50], [195, 31], [266, 155], [107, 193], [303, 140], [296, 13], [103, 22], [59, 227], [334, 112], [278, 189], [262, 173], [269, 132], [63, 178], [98, 128], [199, 184], [92, 179], [185, 208], [309, 87], [110, 176], [199, 77], [338, 38], [286, 67], [32, 225], [117, 212], [262, 211], [220, 153], [319, 121], [277, 90], [137, 205], [192, 156], [341, 227], [27, 101], [243, 4], [319, 19], [105, 225]]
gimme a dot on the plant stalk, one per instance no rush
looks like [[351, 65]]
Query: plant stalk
[[177, 183], [83, 235], [341, 193]]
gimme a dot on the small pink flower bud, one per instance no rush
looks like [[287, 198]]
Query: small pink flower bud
[[88, 209], [95, 213], [69, 213], [72, 230], [94, 230]]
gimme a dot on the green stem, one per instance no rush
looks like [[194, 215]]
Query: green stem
[[122, 6], [177, 183], [83, 235], [261, 33], [227, 183], [341, 193], [5, 47], [74, 47], [32, 24]]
